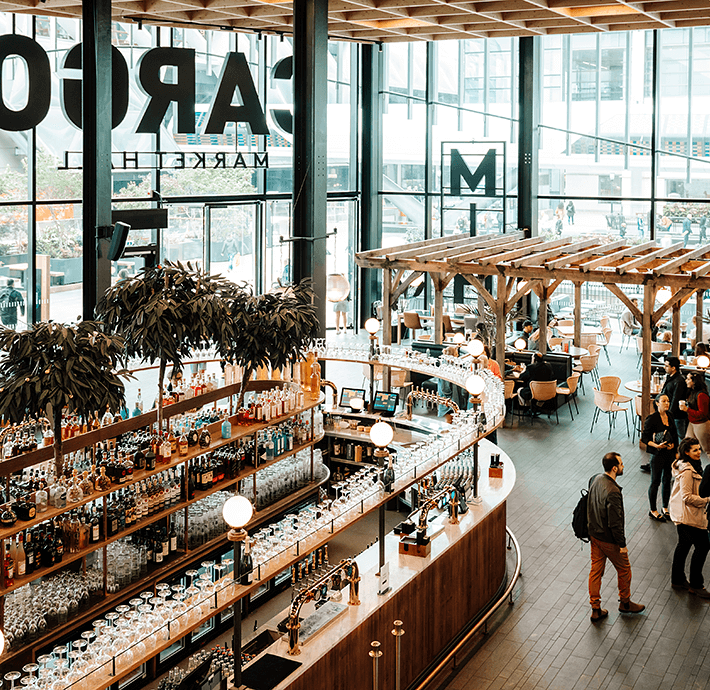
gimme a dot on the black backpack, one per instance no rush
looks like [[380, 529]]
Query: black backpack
[[580, 523]]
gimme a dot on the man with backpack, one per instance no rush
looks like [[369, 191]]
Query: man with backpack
[[605, 519]]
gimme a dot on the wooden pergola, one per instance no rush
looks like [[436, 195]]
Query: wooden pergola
[[521, 265]]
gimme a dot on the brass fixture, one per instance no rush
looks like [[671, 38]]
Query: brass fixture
[[421, 394]]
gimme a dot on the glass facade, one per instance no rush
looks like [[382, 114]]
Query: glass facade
[[449, 117]]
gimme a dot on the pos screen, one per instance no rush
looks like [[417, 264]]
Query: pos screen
[[385, 402], [348, 393]]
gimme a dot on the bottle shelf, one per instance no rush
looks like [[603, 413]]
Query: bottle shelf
[[141, 475], [180, 560]]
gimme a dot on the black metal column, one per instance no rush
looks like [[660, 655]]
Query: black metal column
[[310, 105], [96, 116], [529, 109], [370, 207]]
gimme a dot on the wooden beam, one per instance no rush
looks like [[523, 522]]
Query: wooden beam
[[541, 257], [386, 308], [626, 300], [433, 251], [453, 253], [500, 311], [642, 260], [578, 256], [523, 290], [615, 256], [673, 264], [698, 316], [700, 270], [649, 296], [481, 289], [438, 281], [514, 253], [402, 288], [675, 328], [677, 297], [542, 322], [578, 314], [479, 253]]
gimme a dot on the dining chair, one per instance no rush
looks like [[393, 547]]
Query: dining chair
[[570, 392], [611, 384], [413, 323], [587, 339], [542, 392], [604, 402], [448, 328], [604, 322], [565, 322], [587, 365], [554, 342], [606, 339], [638, 420], [509, 394]]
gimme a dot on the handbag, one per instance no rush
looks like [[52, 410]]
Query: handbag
[[662, 437]]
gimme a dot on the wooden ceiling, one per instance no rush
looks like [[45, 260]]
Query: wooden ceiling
[[401, 20]]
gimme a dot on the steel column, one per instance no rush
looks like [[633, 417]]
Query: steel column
[[529, 113], [96, 121], [310, 88]]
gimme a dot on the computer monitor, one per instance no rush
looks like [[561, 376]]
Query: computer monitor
[[348, 393], [385, 403]]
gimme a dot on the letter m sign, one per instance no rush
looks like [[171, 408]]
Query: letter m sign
[[485, 171]]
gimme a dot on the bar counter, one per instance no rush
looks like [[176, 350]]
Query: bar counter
[[436, 597]]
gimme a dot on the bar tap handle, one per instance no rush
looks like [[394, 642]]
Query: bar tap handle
[[375, 653], [353, 577]]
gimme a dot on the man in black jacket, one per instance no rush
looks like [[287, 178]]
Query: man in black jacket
[[676, 390], [537, 370], [605, 517]]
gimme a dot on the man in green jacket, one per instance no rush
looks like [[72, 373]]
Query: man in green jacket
[[605, 517]]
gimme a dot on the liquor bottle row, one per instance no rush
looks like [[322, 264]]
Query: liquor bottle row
[[221, 668], [309, 569]]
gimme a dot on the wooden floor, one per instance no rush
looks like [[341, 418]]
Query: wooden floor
[[546, 639]]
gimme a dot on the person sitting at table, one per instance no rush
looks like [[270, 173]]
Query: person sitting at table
[[629, 325], [538, 370], [697, 406], [488, 362], [700, 349], [659, 435], [525, 334], [676, 390]]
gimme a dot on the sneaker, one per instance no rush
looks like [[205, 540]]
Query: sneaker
[[700, 592], [645, 468], [630, 607], [598, 614]]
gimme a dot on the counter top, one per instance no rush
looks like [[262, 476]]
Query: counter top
[[403, 569]]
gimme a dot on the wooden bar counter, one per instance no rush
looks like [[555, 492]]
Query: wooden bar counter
[[436, 598]]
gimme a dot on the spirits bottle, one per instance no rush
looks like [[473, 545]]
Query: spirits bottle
[[41, 498], [139, 403], [85, 484], [9, 569], [103, 483], [74, 492], [388, 477], [30, 554], [183, 445], [205, 438], [173, 538], [165, 449], [246, 565], [192, 436]]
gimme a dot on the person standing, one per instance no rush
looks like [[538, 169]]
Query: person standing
[[570, 212], [688, 513], [702, 224], [660, 437], [687, 226], [697, 407], [605, 517], [676, 389], [629, 325], [10, 300]]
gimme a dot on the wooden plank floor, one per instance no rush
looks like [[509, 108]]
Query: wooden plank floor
[[546, 639]]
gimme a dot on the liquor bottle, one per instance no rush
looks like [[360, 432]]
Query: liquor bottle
[[183, 445], [83, 534], [205, 438], [58, 546], [157, 549], [139, 404], [165, 542], [41, 498], [165, 449], [388, 477], [9, 569], [20, 558], [85, 484], [226, 427], [246, 565], [173, 538], [190, 484], [192, 436], [107, 419], [74, 492], [103, 483], [95, 534], [30, 553]]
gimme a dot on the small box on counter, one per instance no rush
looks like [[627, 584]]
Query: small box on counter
[[495, 471]]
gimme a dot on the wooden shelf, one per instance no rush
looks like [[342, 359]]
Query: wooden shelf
[[168, 570]]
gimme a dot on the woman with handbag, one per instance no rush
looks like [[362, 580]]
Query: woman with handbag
[[698, 408], [659, 435]]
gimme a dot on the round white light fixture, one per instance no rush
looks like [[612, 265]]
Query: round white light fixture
[[702, 362], [520, 344], [356, 404], [459, 338], [475, 384], [475, 347], [237, 511], [337, 288], [381, 434], [663, 295], [372, 326]]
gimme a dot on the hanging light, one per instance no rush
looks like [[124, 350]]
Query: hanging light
[[337, 288], [664, 295], [381, 434], [372, 326], [520, 344], [475, 385], [702, 362], [459, 338], [475, 347], [237, 512]]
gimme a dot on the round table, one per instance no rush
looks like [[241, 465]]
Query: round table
[[568, 331], [636, 387]]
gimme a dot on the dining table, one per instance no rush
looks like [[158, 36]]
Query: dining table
[[637, 387], [568, 331]]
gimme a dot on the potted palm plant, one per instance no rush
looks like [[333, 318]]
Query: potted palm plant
[[52, 366], [274, 328], [166, 312]]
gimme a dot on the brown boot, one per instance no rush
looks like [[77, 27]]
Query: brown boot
[[598, 614], [630, 607]]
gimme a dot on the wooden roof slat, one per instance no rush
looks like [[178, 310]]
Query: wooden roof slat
[[641, 261], [700, 270], [578, 256], [540, 258], [615, 256], [479, 253], [518, 251], [673, 264], [449, 252]]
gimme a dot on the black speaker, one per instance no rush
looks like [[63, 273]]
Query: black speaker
[[118, 240]]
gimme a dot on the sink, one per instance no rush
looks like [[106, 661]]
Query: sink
[[263, 640]]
